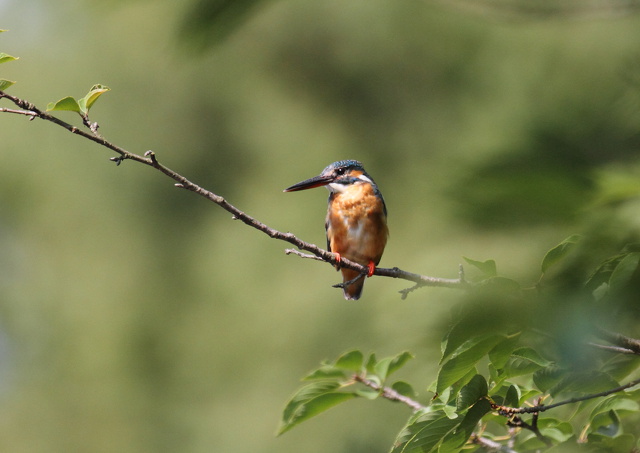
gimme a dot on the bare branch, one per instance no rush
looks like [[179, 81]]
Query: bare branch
[[150, 159]]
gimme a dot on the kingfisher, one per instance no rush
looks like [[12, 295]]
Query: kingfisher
[[356, 222]]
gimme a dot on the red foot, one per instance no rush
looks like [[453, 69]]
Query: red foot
[[338, 259], [372, 269]]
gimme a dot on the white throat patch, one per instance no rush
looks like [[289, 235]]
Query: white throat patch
[[335, 187]]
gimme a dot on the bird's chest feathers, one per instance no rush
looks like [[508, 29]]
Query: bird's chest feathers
[[356, 219]]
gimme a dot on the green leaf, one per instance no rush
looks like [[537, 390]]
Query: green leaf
[[621, 366], [614, 402], [423, 434], [512, 398], [455, 337], [473, 416], [584, 382], [472, 392], [606, 423], [4, 84], [64, 104], [350, 361], [488, 268], [5, 58], [548, 377], [371, 364], [455, 440], [457, 386], [501, 284], [621, 443], [559, 251], [389, 365], [555, 429], [461, 364], [624, 271], [501, 352], [527, 395], [91, 97], [462, 336], [368, 393], [506, 394], [398, 362], [404, 388], [450, 411], [325, 372], [524, 361], [603, 273], [307, 393], [310, 401]]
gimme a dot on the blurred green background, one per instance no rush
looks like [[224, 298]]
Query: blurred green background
[[136, 317]]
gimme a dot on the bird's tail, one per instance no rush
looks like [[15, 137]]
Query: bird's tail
[[353, 290]]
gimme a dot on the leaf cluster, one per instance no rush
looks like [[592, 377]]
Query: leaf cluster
[[517, 377], [4, 58], [342, 380], [82, 105], [504, 383]]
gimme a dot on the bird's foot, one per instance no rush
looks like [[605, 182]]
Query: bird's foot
[[372, 269], [338, 259]]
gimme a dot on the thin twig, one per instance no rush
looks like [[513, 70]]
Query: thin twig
[[300, 254], [616, 349], [389, 393], [349, 282], [150, 159], [505, 410], [620, 340], [18, 112], [516, 421], [490, 445]]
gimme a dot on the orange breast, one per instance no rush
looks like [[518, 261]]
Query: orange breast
[[357, 224]]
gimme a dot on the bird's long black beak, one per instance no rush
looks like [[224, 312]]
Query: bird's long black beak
[[316, 181]]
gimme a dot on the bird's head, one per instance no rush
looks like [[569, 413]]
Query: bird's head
[[336, 177]]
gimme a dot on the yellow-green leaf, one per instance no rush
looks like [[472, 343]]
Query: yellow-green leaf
[[4, 58], [67, 104], [92, 96], [4, 84]]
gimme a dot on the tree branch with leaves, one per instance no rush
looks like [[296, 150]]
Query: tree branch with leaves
[[495, 368]]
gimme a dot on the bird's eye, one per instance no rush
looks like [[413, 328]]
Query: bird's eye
[[340, 171]]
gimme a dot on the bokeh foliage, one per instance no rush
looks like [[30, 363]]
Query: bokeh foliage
[[136, 317]]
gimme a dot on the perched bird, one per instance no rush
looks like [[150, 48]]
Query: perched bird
[[356, 219]]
